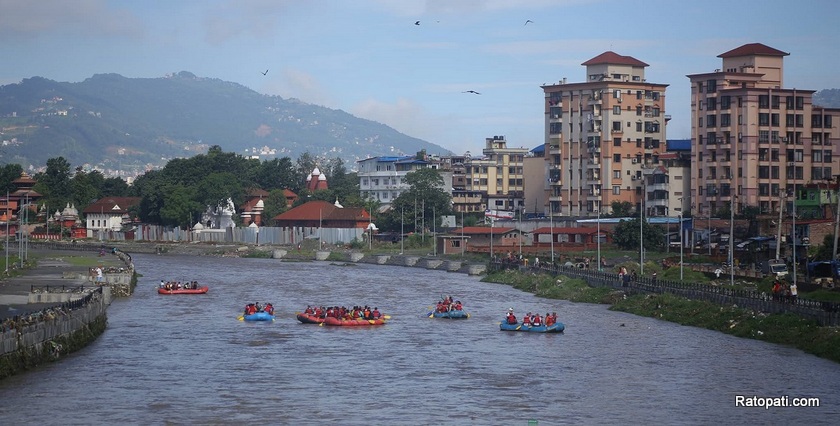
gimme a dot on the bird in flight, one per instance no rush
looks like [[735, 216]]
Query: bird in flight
[[416, 22], [264, 73], [529, 22], [471, 91]]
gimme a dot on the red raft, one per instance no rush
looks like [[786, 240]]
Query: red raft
[[200, 290], [353, 322], [309, 318]]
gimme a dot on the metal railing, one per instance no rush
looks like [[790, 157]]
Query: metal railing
[[825, 313]]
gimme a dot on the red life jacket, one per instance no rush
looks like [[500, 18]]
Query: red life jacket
[[536, 321], [511, 319], [526, 320]]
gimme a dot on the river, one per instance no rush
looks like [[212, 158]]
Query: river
[[186, 359]]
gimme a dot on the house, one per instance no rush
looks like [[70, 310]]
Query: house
[[321, 214], [480, 239], [106, 214], [576, 238]]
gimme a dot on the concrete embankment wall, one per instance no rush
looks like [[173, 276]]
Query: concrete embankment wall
[[34, 339], [397, 260]]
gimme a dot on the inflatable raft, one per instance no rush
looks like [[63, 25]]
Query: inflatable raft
[[352, 322], [450, 315], [309, 318], [200, 290], [258, 316], [554, 328]]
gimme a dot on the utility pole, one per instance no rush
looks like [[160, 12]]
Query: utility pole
[[836, 218], [732, 240], [779, 227]]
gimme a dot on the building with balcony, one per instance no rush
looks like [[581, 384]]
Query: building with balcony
[[498, 174], [753, 140], [600, 134], [383, 178]]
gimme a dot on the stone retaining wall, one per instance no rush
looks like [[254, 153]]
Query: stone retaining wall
[[29, 341]]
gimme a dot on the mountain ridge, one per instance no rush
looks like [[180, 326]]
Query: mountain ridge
[[111, 122]]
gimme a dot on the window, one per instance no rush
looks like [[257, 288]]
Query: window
[[638, 110], [763, 172], [763, 119], [774, 172], [616, 126], [774, 102], [617, 158], [763, 101], [774, 155], [616, 141], [725, 101], [827, 156], [617, 174], [763, 136], [827, 121], [817, 156], [555, 112], [725, 120], [711, 104], [616, 190], [711, 86], [763, 154], [617, 110], [711, 121], [638, 126], [555, 128], [638, 94], [816, 120]]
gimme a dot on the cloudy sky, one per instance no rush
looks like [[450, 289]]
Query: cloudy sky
[[368, 57]]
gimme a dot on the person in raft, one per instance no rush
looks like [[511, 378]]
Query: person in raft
[[510, 317], [269, 309]]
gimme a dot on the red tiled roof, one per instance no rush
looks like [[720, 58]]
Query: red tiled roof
[[753, 49], [482, 230], [108, 204], [571, 231], [257, 193], [322, 210], [610, 57], [289, 194]]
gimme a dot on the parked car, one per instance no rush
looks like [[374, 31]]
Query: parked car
[[775, 267]]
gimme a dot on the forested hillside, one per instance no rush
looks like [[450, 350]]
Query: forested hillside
[[115, 122]]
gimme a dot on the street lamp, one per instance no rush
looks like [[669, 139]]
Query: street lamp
[[681, 244], [520, 231], [641, 229], [732, 240], [598, 234]]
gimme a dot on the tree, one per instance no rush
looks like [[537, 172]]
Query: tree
[[424, 198], [626, 235], [54, 183], [278, 173], [274, 204], [179, 206], [621, 209], [8, 174]]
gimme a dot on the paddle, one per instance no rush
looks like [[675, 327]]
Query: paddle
[[241, 318], [386, 316], [432, 314]]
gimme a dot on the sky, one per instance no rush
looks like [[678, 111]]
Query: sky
[[371, 59]]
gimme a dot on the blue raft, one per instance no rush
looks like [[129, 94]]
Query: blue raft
[[555, 328], [259, 316], [450, 315]]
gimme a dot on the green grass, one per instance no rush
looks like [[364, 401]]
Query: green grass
[[823, 295], [786, 329]]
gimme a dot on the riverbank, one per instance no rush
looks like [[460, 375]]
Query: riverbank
[[51, 308], [785, 329]]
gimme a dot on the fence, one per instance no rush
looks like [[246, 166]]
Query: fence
[[247, 235], [825, 313]]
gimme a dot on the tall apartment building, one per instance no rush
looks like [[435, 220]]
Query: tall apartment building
[[603, 135], [752, 138], [498, 174]]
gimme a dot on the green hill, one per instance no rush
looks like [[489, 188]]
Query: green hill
[[114, 122]]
